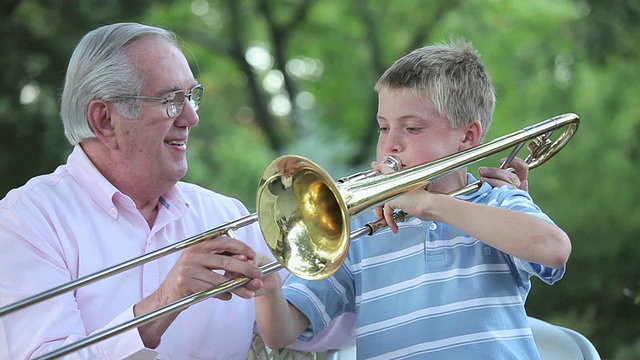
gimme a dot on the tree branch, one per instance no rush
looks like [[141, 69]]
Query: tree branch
[[280, 35], [265, 121]]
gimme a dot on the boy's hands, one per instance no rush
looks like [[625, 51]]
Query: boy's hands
[[498, 177], [269, 282], [414, 201]]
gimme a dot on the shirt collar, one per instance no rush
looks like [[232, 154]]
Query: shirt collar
[[104, 194]]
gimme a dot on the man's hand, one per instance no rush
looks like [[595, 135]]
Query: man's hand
[[200, 267], [203, 266]]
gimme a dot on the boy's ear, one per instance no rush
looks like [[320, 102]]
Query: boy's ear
[[99, 117], [472, 135]]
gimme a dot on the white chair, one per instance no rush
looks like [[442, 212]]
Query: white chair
[[559, 343], [346, 353], [554, 343]]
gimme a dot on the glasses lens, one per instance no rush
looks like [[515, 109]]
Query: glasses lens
[[195, 97], [175, 103]]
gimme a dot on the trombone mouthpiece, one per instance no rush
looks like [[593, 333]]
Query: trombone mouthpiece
[[392, 162]]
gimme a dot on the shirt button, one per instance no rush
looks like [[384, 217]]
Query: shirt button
[[112, 210], [433, 226]]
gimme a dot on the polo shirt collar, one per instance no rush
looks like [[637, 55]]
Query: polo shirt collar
[[104, 194]]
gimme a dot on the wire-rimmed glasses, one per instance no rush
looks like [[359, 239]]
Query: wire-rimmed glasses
[[175, 100]]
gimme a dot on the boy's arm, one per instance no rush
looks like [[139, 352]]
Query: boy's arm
[[517, 233], [279, 322]]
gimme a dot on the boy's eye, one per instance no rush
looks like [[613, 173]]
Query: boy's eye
[[383, 129]]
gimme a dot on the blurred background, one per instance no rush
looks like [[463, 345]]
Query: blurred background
[[297, 76]]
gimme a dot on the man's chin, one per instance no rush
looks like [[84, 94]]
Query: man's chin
[[179, 171]]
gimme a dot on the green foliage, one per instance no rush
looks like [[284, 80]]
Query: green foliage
[[545, 57]]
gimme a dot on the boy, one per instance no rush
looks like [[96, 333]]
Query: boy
[[452, 282]]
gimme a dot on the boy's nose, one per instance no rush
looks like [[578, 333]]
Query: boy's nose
[[394, 143]]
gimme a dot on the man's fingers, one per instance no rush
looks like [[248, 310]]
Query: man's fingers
[[231, 264], [224, 244], [248, 290], [210, 279], [224, 253]]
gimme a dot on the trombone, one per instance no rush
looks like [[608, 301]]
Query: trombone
[[305, 216]]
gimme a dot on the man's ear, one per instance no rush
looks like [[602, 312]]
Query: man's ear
[[472, 135], [99, 116]]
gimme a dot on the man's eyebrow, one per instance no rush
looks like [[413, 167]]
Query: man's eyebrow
[[173, 88], [167, 90]]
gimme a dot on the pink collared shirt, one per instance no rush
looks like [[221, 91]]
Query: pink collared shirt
[[73, 222]]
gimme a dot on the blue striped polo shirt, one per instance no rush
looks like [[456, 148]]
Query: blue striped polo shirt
[[430, 291]]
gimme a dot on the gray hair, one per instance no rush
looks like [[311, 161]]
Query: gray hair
[[452, 76], [101, 69]]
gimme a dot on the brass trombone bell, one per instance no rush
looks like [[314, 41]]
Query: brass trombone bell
[[301, 215]]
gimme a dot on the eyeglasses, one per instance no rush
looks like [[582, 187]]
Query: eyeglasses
[[175, 100]]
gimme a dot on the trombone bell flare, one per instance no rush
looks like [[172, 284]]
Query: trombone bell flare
[[303, 221]]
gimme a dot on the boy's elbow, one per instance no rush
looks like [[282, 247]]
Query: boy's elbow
[[562, 251], [274, 337], [270, 342], [275, 343]]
